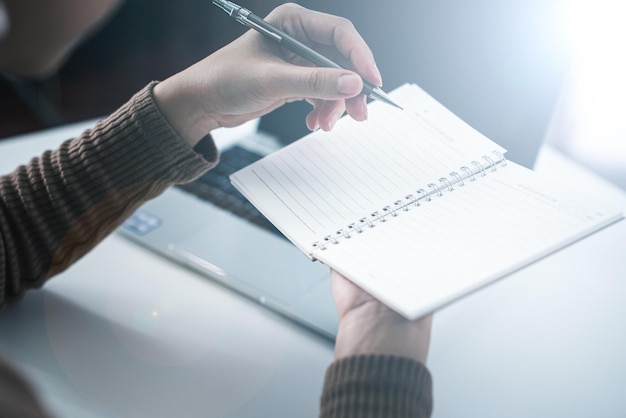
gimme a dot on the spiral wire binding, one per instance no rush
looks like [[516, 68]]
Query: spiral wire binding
[[413, 200]]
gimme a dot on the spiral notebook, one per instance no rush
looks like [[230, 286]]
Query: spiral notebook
[[414, 205]]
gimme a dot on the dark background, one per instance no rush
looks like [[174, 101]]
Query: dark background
[[496, 63]]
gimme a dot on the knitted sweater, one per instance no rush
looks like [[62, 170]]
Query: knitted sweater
[[62, 204]]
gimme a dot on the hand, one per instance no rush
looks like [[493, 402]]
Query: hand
[[253, 75], [366, 326]]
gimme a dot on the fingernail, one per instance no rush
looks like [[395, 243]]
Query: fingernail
[[349, 84], [333, 120], [365, 109], [380, 77]]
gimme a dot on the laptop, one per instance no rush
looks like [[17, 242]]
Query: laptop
[[208, 226]]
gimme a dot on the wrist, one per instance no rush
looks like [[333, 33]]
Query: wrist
[[372, 328], [186, 114]]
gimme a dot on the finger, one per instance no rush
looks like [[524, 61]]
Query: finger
[[313, 82], [312, 121], [325, 114], [329, 113], [357, 107], [331, 30], [343, 291]]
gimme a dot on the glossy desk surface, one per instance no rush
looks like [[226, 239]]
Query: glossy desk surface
[[125, 333]]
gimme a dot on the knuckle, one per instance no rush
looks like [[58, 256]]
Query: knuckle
[[288, 8], [291, 6], [344, 26], [345, 23], [315, 82]]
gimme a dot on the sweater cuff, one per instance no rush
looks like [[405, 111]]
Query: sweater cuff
[[154, 124], [136, 143], [377, 386]]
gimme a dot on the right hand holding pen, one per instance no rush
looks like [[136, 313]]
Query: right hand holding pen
[[252, 76]]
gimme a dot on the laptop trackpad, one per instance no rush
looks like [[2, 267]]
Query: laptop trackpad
[[251, 260]]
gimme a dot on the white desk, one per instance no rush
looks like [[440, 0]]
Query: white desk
[[125, 333]]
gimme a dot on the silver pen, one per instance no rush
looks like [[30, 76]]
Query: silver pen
[[249, 19]]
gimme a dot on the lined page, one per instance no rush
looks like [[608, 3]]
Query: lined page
[[471, 236], [326, 181]]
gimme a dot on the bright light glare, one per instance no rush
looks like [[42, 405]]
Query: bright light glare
[[595, 37], [595, 34]]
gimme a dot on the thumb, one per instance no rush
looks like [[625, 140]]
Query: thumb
[[320, 83]]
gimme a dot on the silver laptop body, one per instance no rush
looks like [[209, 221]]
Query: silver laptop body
[[234, 251]]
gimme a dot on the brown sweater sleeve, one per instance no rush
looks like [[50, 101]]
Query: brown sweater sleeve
[[63, 203], [376, 386]]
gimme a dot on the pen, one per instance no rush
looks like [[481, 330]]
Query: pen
[[249, 19]]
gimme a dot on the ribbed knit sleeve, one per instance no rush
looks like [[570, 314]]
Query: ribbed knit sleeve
[[63, 203], [376, 386]]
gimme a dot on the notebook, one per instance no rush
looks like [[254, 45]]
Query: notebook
[[415, 206]]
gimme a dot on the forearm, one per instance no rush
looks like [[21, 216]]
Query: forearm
[[62, 204]]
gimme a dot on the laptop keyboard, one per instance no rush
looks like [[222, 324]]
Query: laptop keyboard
[[215, 187]]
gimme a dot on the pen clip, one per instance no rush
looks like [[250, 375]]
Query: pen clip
[[229, 7], [242, 16]]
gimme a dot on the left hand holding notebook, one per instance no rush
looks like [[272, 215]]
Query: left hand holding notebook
[[367, 326], [252, 76]]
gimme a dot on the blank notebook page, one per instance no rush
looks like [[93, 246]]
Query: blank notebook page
[[462, 240], [327, 180]]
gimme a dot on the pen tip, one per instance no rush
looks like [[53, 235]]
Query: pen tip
[[378, 94]]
